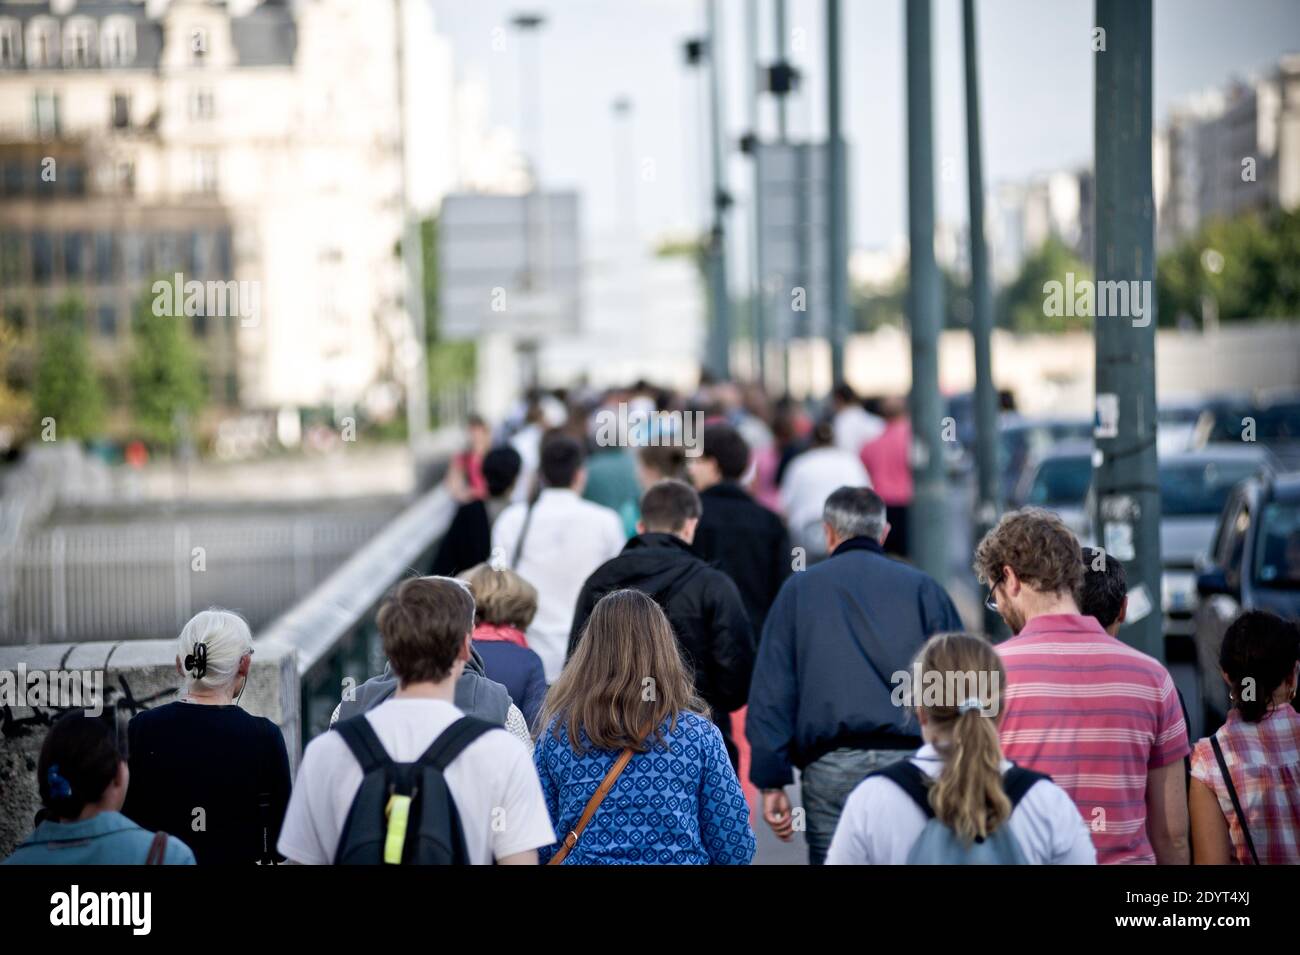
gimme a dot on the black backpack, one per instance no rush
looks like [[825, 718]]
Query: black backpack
[[403, 813]]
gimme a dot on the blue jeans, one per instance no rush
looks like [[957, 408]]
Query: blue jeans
[[826, 784]]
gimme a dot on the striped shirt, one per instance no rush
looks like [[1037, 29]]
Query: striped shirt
[[1264, 760], [1097, 716]]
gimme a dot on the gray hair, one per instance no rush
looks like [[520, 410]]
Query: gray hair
[[855, 512], [226, 641]]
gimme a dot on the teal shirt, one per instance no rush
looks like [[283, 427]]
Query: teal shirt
[[108, 838], [611, 481]]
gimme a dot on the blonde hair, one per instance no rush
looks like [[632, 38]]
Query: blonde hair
[[625, 677], [968, 796], [225, 638], [501, 596]]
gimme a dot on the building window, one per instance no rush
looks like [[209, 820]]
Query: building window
[[107, 320], [42, 42], [203, 173], [79, 42], [74, 244], [117, 41], [11, 42], [202, 104], [12, 181], [42, 258], [121, 111], [73, 175], [104, 272], [11, 258], [45, 113]]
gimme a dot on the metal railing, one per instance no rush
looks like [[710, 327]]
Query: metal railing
[[333, 628]]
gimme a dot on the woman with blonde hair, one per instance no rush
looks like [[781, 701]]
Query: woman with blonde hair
[[957, 800], [504, 606], [633, 769], [202, 769]]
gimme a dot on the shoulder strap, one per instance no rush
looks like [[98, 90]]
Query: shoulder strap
[[452, 741], [157, 849], [361, 739], [905, 775], [1232, 794], [1017, 781], [593, 804], [523, 530]]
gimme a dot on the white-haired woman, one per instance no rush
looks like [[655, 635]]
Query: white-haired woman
[[202, 769]]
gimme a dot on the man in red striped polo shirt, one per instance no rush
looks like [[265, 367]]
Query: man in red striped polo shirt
[[1102, 719]]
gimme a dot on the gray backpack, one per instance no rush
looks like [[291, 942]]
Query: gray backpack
[[403, 813], [938, 844]]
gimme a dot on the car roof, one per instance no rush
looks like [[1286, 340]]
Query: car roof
[[1220, 451], [1073, 448]]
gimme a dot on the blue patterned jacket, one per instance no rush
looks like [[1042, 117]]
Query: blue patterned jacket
[[679, 805]]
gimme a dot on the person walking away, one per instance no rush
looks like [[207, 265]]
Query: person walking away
[[204, 752], [854, 425], [1069, 682], [957, 799], [738, 535], [672, 796], [809, 479], [555, 542], [426, 625], [702, 603], [468, 539], [888, 462], [1245, 793], [83, 781], [821, 698], [504, 606]]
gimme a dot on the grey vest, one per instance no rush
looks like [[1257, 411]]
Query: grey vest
[[476, 695]]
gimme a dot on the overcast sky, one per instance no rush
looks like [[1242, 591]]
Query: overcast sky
[[1035, 72]]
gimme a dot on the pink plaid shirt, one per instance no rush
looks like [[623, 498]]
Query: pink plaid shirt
[[1264, 760]]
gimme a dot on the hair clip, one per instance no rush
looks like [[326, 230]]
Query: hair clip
[[196, 663], [59, 787], [969, 704]]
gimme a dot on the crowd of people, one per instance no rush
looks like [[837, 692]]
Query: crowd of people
[[614, 635]]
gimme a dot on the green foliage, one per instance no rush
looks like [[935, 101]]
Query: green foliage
[[67, 387], [15, 406], [164, 372], [1020, 305], [1249, 266], [450, 362]]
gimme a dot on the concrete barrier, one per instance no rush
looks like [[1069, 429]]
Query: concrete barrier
[[132, 676]]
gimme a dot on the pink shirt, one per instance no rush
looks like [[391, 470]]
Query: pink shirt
[[886, 460], [1264, 760], [1097, 716]]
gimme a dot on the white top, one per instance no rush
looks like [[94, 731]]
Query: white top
[[493, 782], [854, 426], [813, 476], [881, 823], [568, 538]]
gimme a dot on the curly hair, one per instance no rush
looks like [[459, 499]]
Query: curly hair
[[1038, 546]]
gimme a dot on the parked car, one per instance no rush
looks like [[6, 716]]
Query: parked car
[[1059, 482], [1270, 420], [1254, 565], [1025, 440]]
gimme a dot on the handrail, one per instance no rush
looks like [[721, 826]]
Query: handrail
[[319, 622]]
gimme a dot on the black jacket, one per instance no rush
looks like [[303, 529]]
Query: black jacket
[[702, 604], [466, 543], [837, 637], [746, 541]]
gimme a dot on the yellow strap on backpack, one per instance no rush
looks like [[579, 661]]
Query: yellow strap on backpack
[[396, 812]]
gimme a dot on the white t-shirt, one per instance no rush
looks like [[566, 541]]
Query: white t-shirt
[[493, 782], [568, 538], [881, 823]]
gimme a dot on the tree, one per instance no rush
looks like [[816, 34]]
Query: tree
[[1020, 306], [15, 406], [68, 391], [451, 363], [164, 373]]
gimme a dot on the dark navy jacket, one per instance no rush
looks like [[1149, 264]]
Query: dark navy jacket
[[835, 637]]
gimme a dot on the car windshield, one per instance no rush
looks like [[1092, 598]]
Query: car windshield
[[1277, 564], [1277, 422], [1200, 488], [1061, 481]]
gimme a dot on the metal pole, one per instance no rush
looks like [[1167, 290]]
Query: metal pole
[[417, 358], [758, 301], [926, 533], [839, 197], [720, 357], [987, 443], [782, 117], [1128, 498]]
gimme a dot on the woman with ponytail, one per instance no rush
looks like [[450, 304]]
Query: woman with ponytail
[[203, 769], [957, 800]]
